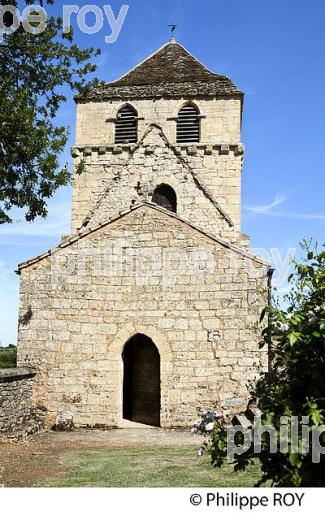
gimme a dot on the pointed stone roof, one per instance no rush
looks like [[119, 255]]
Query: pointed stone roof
[[170, 71], [172, 61]]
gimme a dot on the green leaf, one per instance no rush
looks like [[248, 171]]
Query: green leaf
[[293, 338], [33, 71]]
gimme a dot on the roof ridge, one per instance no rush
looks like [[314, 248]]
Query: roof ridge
[[77, 236]]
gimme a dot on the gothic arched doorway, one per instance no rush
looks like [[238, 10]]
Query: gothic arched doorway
[[141, 382]]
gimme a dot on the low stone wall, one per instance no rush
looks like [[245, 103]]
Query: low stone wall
[[17, 416]]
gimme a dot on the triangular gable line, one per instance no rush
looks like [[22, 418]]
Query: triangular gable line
[[118, 175], [181, 159], [199, 182], [75, 238], [98, 203]]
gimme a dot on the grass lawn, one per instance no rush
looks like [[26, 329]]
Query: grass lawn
[[158, 467]]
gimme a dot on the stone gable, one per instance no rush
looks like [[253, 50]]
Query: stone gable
[[148, 273]]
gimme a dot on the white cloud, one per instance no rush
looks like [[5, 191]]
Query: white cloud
[[279, 199], [56, 224]]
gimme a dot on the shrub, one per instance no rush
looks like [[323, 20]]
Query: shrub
[[295, 386]]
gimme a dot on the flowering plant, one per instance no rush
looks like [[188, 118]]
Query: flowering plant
[[206, 422]]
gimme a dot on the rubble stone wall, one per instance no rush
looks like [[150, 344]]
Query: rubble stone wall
[[17, 413]]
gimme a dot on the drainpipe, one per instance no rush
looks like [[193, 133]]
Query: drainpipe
[[269, 301]]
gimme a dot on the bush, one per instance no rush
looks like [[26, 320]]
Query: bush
[[8, 357], [295, 387]]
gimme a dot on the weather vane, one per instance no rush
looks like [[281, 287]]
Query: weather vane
[[173, 26]]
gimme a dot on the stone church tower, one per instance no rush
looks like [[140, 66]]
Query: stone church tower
[[146, 312]]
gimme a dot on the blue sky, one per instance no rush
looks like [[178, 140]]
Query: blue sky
[[274, 51]]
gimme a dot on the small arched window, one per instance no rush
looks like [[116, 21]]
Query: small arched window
[[126, 128], [188, 125], [165, 197]]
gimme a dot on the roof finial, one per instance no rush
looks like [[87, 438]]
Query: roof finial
[[172, 26]]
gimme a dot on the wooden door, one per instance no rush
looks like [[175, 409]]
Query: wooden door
[[141, 386]]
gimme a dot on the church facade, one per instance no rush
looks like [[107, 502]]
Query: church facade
[[147, 311]]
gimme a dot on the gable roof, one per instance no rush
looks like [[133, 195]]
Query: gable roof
[[93, 229], [170, 71]]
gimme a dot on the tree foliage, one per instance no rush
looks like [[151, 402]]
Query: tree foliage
[[296, 385], [34, 68], [8, 356]]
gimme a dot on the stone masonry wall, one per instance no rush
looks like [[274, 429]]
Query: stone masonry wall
[[150, 273], [16, 411], [115, 177], [221, 120], [135, 178], [216, 160]]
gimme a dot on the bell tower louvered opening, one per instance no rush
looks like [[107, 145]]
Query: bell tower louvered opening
[[188, 125], [126, 129]]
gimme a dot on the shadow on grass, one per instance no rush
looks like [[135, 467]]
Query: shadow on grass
[[159, 467]]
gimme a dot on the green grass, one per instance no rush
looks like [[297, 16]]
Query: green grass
[[159, 467], [8, 357]]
